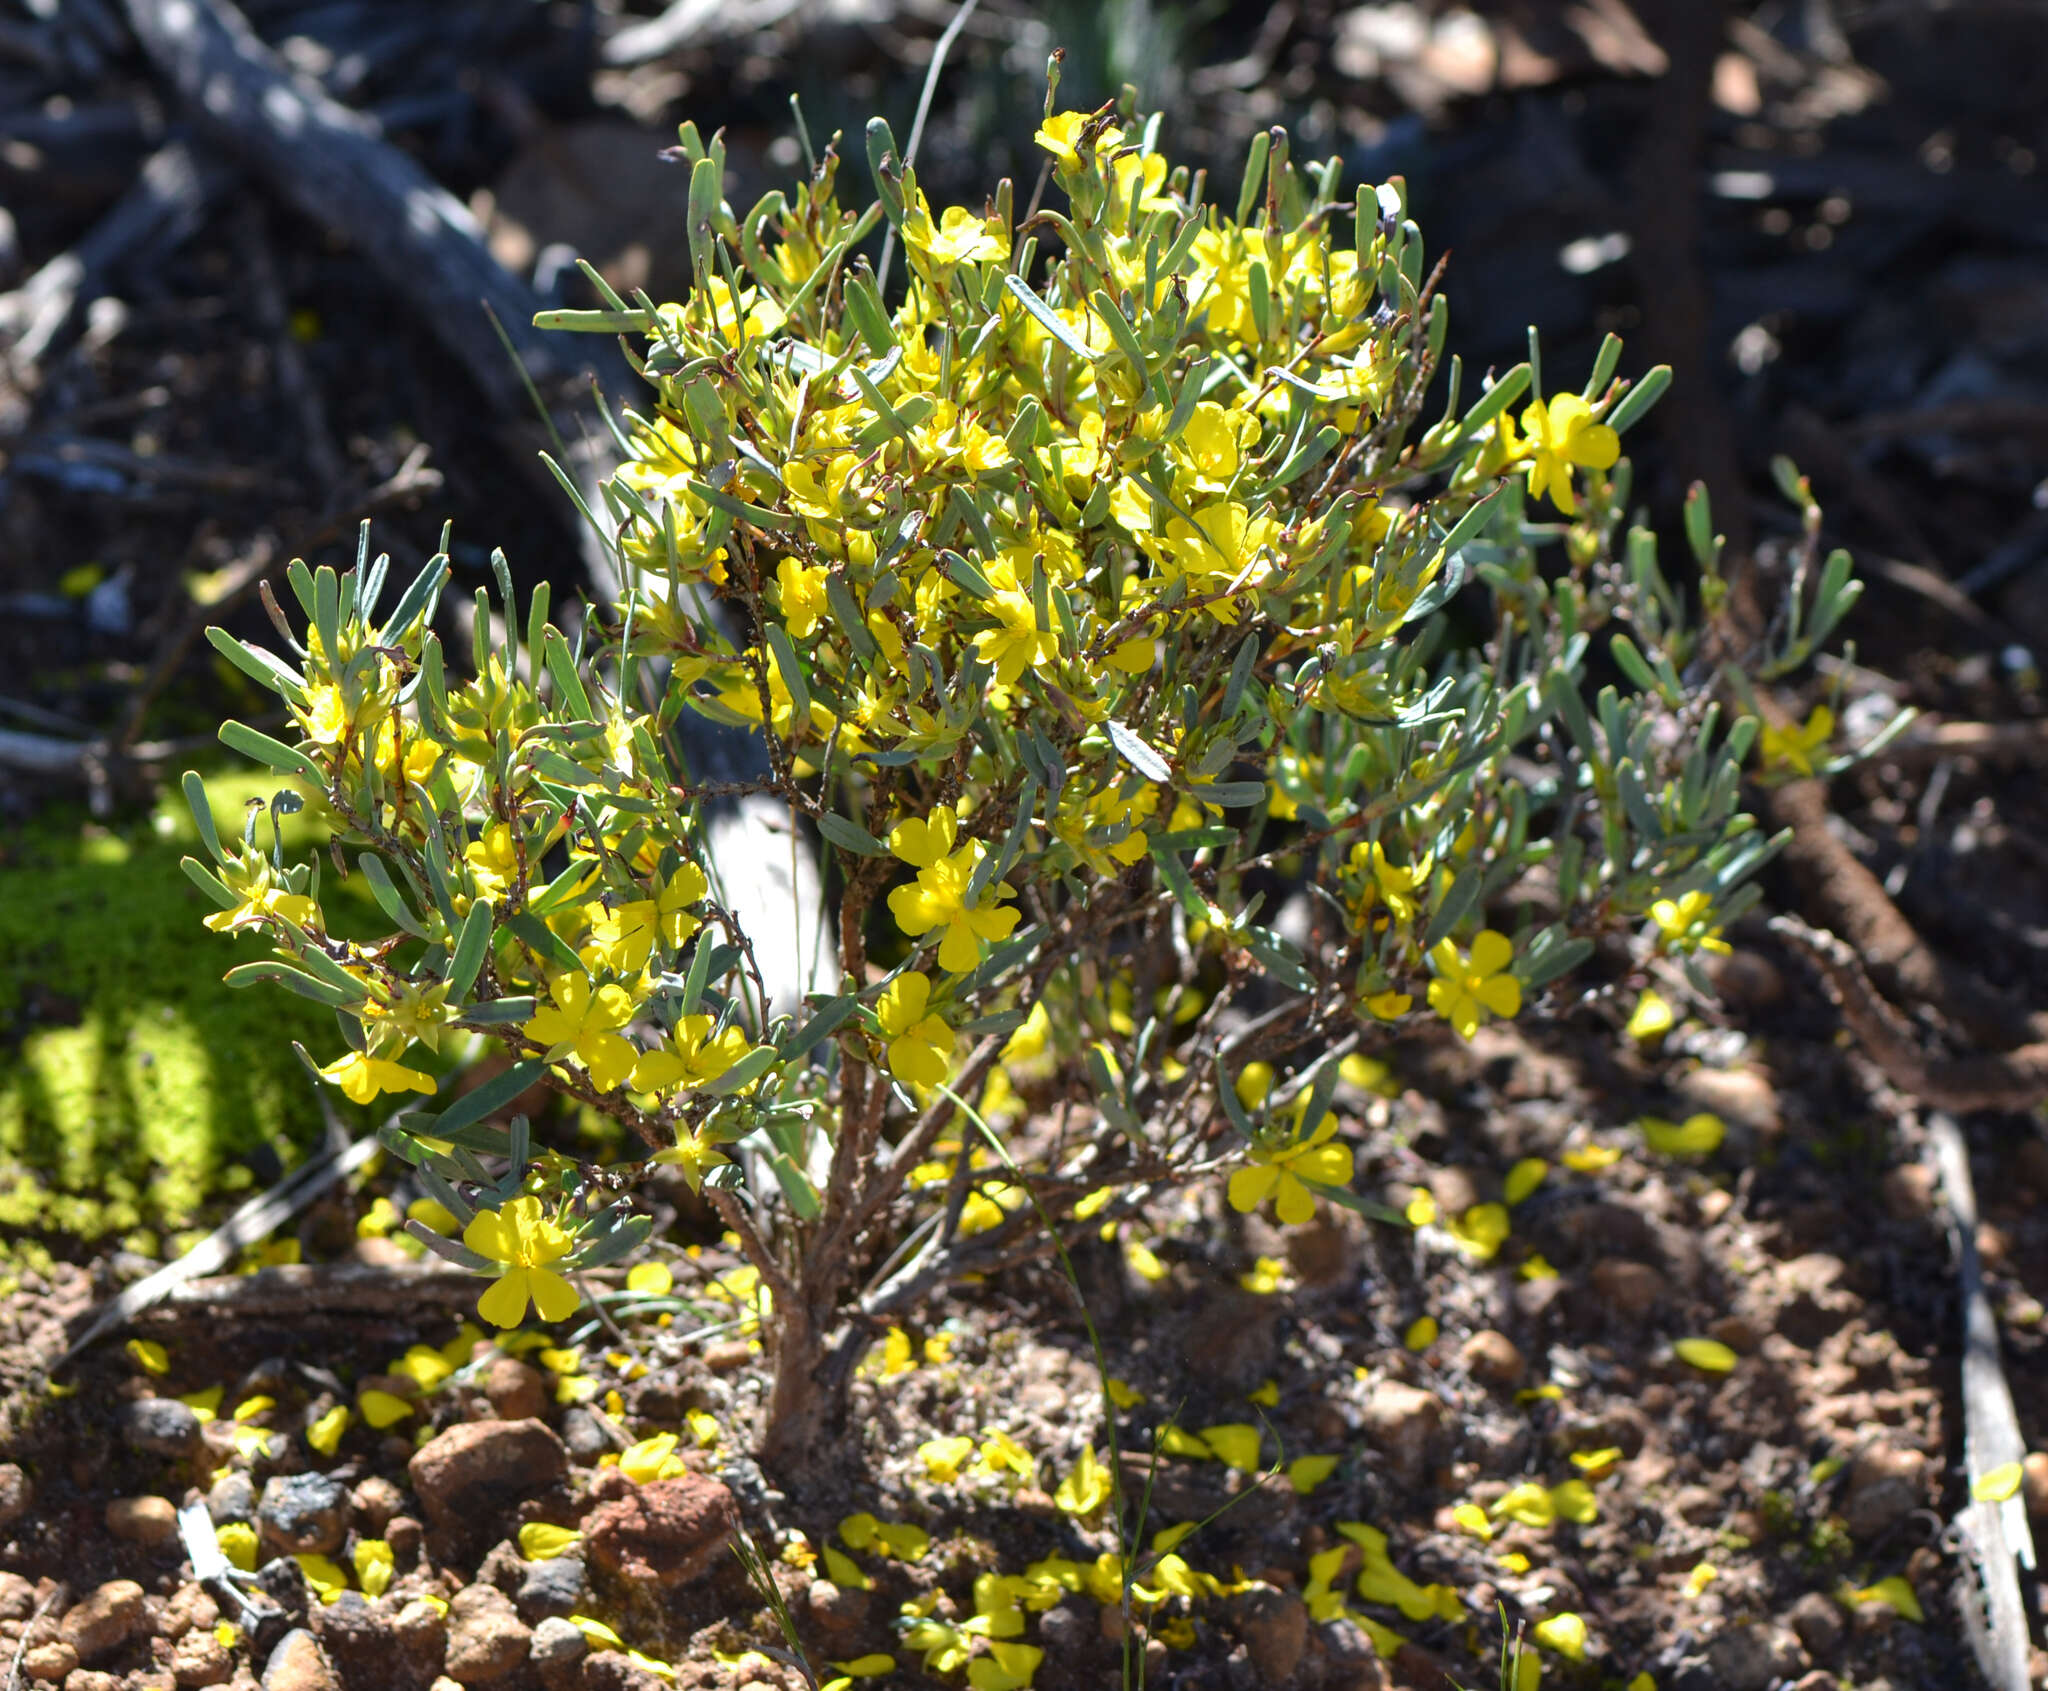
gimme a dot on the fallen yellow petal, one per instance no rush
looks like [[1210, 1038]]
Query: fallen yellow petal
[[1710, 1356], [1999, 1484]]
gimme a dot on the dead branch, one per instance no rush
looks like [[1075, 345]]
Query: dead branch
[[1846, 898], [2000, 1080], [331, 165], [1993, 1533], [163, 207], [339, 1288]]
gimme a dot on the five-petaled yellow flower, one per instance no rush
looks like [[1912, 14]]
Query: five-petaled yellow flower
[[919, 1044], [362, 1077], [695, 1057], [958, 237], [1466, 990], [695, 1155], [587, 1021], [525, 1241], [938, 897], [1280, 1173], [1793, 748], [1563, 433], [1060, 135], [261, 896]]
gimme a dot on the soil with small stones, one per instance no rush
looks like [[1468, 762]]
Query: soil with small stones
[[1734, 1510], [1875, 313]]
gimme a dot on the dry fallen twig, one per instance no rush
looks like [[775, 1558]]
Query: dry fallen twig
[[1994, 1532], [1998, 1080]]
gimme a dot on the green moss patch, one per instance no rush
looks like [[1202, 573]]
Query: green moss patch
[[133, 1084]]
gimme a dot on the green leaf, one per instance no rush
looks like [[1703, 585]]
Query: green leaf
[[964, 574], [258, 665], [1134, 751], [541, 939], [1462, 895], [240, 737], [208, 882], [748, 1069], [496, 1012], [1174, 873], [471, 945], [824, 1022], [616, 1242], [202, 814], [272, 973], [850, 836], [486, 1100], [1048, 319]]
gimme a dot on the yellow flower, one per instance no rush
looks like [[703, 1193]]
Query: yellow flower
[[1563, 433], [361, 1077], [1398, 888], [890, 1538], [1468, 990], [1652, 1017], [382, 1409], [150, 1356], [1017, 643], [959, 237], [938, 897], [1268, 1275], [586, 1021], [803, 596], [920, 1045], [651, 1279], [1280, 1174], [692, 1058], [261, 897], [1683, 924], [525, 1240], [1481, 1231], [1524, 1178], [493, 863], [1060, 136], [237, 1540], [651, 1459], [1220, 550], [1794, 748], [1566, 1634], [541, 1542]]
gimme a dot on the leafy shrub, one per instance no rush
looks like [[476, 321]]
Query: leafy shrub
[[1174, 705]]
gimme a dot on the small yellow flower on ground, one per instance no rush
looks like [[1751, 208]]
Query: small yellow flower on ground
[[1469, 989], [525, 1241], [375, 1565]]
